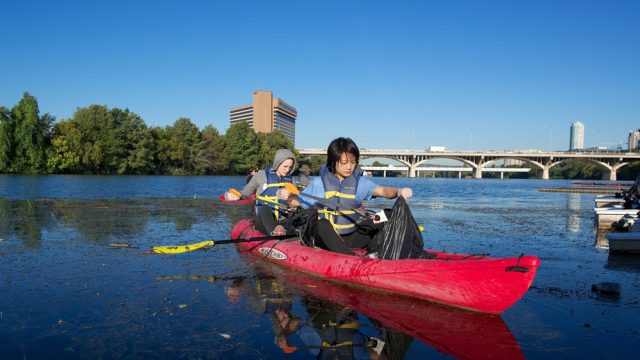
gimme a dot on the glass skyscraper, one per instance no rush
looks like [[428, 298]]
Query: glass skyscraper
[[634, 139], [576, 141]]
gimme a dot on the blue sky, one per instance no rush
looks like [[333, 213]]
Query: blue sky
[[469, 75]]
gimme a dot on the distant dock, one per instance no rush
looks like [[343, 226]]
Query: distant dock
[[590, 188]]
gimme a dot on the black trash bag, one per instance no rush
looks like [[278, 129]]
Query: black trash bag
[[400, 238]]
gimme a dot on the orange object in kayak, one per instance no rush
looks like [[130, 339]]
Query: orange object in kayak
[[249, 200], [474, 282]]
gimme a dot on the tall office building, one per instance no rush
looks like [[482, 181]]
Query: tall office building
[[634, 139], [267, 114], [576, 141]]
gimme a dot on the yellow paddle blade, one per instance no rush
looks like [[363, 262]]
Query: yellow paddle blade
[[177, 249], [421, 228], [291, 188], [235, 192]]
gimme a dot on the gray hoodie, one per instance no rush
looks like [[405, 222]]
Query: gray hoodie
[[257, 182]]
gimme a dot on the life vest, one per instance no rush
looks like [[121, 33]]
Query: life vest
[[338, 337], [342, 219], [270, 194]]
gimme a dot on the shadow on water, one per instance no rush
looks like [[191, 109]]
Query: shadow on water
[[624, 262]]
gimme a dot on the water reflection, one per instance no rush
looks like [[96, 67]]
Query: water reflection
[[96, 313], [601, 239], [573, 215], [622, 261], [334, 315], [100, 221]]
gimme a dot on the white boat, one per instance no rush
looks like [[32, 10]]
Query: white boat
[[625, 222], [629, 241], [608, 200], [628, 195], [607, 216], [611, 207]]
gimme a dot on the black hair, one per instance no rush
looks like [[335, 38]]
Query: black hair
[[340, 146]]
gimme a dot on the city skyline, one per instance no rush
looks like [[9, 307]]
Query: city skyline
[[465, 75]]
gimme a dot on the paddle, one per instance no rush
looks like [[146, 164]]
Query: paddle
[[177, 249], [294, 190]]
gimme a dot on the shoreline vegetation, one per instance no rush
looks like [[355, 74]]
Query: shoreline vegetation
[[97, 140]]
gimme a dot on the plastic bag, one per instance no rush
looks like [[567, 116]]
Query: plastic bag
[[400, 238]]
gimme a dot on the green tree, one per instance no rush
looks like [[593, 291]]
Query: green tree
[[6, 140], [629, 172], [134, 154], [270, 143], [575, 169], [64, 154], [177, 146], [98, 145], [244, 148], [30, 135], [212, 156], [315, 162]]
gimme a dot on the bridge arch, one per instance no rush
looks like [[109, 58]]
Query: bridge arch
[[462, 160], [609, 171]]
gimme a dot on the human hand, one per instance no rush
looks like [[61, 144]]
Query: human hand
[[283, 194], [405, 192], [231, 196]]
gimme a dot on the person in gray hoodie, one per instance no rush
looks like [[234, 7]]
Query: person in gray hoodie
[[266, 184]]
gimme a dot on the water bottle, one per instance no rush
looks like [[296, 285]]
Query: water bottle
[[608, 288]]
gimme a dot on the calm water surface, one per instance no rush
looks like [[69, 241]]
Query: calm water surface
[[66, 293]]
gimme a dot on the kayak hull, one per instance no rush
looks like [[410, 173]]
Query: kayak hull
[[473, 282]]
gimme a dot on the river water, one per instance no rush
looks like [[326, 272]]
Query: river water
[[66, 292]]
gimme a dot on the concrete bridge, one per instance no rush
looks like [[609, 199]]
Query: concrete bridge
[[434, 169], [609, 162]]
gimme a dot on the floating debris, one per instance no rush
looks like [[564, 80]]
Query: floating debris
[[120, 245], [608, 288], [226, 336]]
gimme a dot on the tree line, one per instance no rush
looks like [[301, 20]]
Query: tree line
[[99, 140]]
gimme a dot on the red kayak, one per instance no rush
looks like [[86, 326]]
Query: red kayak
[[249, 200], [458, 333], [474, 282]]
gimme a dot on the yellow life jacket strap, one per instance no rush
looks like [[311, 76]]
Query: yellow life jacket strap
[[350, 325], [331, 216], [329, 346], [330, 194], [272, 200]]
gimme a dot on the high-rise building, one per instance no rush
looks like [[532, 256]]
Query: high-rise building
[[634, 139], [576, 141], [267, 114]]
